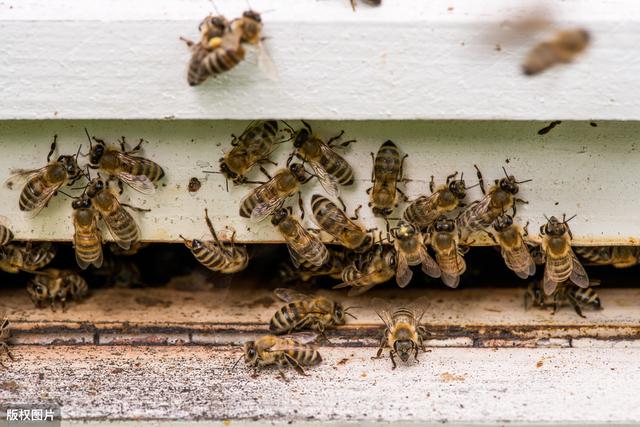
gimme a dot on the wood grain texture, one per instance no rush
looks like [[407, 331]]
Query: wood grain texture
[[447, 385], [407, 59], [575, 168]]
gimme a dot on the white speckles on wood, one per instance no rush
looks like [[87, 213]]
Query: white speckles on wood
[[575, 168], [454, 385], [407, 59]]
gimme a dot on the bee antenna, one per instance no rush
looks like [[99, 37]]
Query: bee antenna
[[546, 217], [505, 172], [461, 176], [307, 125], [71, 197], [89, 138], [522, 182], [215, 7], [78, 152], [473, 186], [183, 238], [237, 361], [212, 172], [287, 125], [567, 220]]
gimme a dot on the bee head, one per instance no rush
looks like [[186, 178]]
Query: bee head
[[96, 153], [503, 222], [95, 186], [193, 244], [445, 224], [338, 314], [298, 171], [253, 15], [554, 227], [404, 348], [250, 353], [37, 291], [509, 185], [279, 216], [404, 230], [458, 188], [70, 165], [83, 202], [213, 26], [226, 171], [301, 137]]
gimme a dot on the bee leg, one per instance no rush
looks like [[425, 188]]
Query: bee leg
[[524, 202], [54, 145], [344, 207], [300, 206], [189, 43], [134, 208], [137, 147], [264, 171], [393, 361], [369, 190], [526, 229], [373, 169], [353, 5], [356, 213], [401, 172], [9, 353], [577, 308], [295, 365], [432, 184], [283, 376], [404, 196], [335, 138], [267, 160], [480, 180]]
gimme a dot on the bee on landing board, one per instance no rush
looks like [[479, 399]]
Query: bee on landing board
[[302, 245], [330, 218], [561, 263], [403, 333], [423, 211], [330, 168], [444, 239], [498, 199], [226, 258], [513, 247], [5, 335], [51, 286], [617, 256], [282, 352], [139, 173], [387, 172], [87, 238], [302, 312], [44, 183], [563, 48], [565, 292], [411, 250]]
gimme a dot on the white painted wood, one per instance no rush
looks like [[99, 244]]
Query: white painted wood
[[576, 169], [447, 385], [407, 59]]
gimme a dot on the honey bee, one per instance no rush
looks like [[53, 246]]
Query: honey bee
[[120, 223], [133, 249], [216, 255], [387, 171], [306, 312], [403, 333], [514, 249], [446, 198], [137, 172], [338, 260], [30, 256], [445, 243], [369, 269], [51, 285], [410, 250], [87, 239], [334, 221], [301, 243], [44, 183], [249, 26], [265, 199], [330, 168], [212, 28], [499, 198], [578, 298], [563, 48], [617, 256], [370, 2], [253, 146], [280, 351], [561, 263], [6, 235], [5, 335]]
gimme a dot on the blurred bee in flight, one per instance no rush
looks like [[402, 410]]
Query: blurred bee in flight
[[563, 48], [565, 292], [387, 171], [423, 211]]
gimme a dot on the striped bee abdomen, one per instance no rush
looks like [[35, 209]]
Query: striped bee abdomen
[[285, 319], [122, 224], [5, 235], [305, 356]]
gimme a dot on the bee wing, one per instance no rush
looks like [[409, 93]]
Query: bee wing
[[328, 182], [578, 275], [548, 285], [264, 209], [385, 313], [429, 266], [140, 183], [403, 272], [20, 176], [266, 64], [290, 295], [292, 342], [450, 280]]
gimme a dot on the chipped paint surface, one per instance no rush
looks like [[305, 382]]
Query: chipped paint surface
[[454, 385]]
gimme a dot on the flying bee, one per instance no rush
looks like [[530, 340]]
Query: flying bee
[[446, 198], [216, 255], [281, 352], [262, 201], [301, 243], [330, 168], [338, 260], [514, 249], [334, 221], [387, 171], [500, 198], [120, 223], [51, 285], [253, 146], [87, 239], [563, 48], [306, 312], [5, 335], [403, 333], [445, 243], [369, 269], [561, 263], [29, 257], [578, 298], [6, 235], [139, 173], [44, 183], [617, 256], [410, 250]]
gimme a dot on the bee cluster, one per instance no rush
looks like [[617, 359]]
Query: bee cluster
[[99, 200]]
